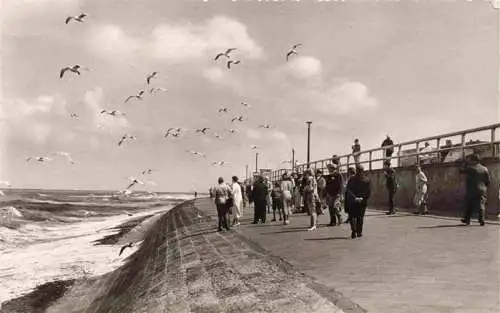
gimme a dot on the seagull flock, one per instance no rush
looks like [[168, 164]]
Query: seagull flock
[[172, 132]]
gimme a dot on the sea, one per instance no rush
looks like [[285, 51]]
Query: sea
[[48, 235]]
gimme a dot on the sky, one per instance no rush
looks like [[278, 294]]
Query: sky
[[365, 69]]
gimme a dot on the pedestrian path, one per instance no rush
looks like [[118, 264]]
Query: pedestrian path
[[402, 264]]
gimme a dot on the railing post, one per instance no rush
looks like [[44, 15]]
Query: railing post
[[399, 155], [438, 154], [370, 159], [418, 152], [493, 146], [463, 146]]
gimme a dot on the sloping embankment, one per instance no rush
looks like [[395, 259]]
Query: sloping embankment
[[184, 265]]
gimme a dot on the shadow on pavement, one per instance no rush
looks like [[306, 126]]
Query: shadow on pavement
[[303, 229], [327, 238], [442, 226]]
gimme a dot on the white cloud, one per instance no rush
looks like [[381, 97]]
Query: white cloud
[[253, 134], [32, 119], [279, 135], [304, 66], [177, 42], [94, 100], [214, 74], [350, 96]]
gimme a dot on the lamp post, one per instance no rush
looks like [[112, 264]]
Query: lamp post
[[308, 143], [256, 162], [293, 159]]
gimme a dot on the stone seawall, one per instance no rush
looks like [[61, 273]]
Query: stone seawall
[[184, 265], [446, 189]]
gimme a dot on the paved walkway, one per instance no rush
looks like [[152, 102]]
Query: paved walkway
[[402, 264]]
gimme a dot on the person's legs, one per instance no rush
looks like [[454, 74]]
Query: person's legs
[[469, 207], [482, 209], [391, 194], [280, 209], [256, 213], [354, 223], [359, 223], [275, 207], [331, 211], [220, 216], [337, 210]]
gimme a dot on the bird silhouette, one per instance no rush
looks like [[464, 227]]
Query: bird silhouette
[[156, 89], [78, 18], [265, 126], [125, 138], [138, 96], [293, 51], [232, 62], [226, 54], [254, 147], [74, 115], [114, 113], [38, 159], [237, 118], [223, 110], [151, 76], [195, 153], [148, 171], [245, 104], [75, 69], [134, 181], [232, 131], [173, 132], [129, 245], [202, 130]]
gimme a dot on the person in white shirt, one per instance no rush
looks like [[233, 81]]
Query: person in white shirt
[[237, 201], [287, 187], [421, 192]]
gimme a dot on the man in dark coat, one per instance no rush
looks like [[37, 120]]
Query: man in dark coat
[[333, 190], [391, 185], [357, 194], [388, 151], [476, 184], [259, 196]]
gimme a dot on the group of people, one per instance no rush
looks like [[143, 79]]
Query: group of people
[[314, 194]]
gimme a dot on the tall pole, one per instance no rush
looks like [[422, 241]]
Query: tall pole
[[308, 143], [256, 162], [246, 171], [293, 159]]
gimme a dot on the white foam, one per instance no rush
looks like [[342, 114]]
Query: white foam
[[66, 252]]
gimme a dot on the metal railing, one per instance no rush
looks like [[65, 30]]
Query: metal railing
[[374, 158]]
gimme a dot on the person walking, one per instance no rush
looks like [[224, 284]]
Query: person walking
[[222, 192], [356, 149], [357, 195], [237, 201], [421, 192], [311, 198], [388, 150], [351, 171], [391, 185], [476, 188], [259, 196], [333, 192], [321, 183], [269, 200], [287, 188], [248, 190], [277, 198]]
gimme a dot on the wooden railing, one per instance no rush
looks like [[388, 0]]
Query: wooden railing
[[489, 149]]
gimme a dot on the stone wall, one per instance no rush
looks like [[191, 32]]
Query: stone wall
[[446, 189]]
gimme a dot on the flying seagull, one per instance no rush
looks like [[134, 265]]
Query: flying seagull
[[138, 96], [195, 153], [66, 155], [223, 110], [265, 126], [153, 75], [202, 130], [148, 171], [74, 115], [75, 69], [237, 118], [78, 18], [232, 131], [173, 132], [218, 136], [129, 245], [245, 104], [226, 54], [38, 159], [254, 147], [126, 137], [134, 181], [4, 182], [156, 89], [292, 51], [232, 62], [219, 163], [113, 113]]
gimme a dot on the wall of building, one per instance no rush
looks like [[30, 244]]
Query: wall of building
[[446, 189]]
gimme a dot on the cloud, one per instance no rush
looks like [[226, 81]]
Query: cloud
[[175, 43], [279, 135], [32, 119], [304, 66], [253, 134], [350, 96], [214, 74], [94, 100]]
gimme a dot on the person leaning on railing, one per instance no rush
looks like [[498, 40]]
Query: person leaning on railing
[[477, 182]]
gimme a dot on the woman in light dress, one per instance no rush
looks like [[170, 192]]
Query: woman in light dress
[[237, 201], [287, 188], [421, 192]]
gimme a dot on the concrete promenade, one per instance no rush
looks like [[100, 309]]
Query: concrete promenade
[[402, 264]]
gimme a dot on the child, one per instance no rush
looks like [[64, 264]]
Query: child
[[276, 195]]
